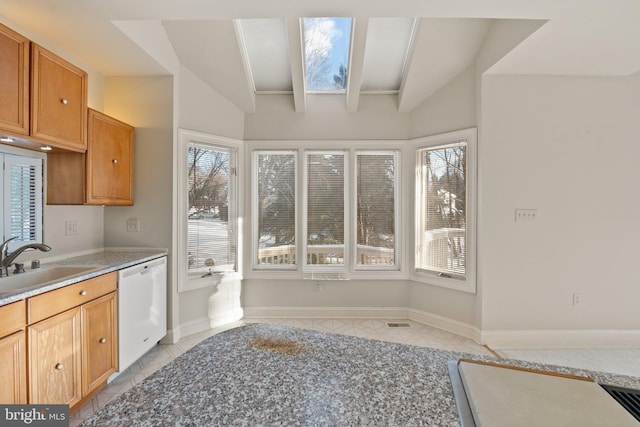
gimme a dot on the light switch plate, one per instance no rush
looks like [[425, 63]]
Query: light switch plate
[[526, 215], [70, 228], [133, 225]]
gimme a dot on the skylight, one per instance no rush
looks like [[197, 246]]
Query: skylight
[[326, 53]]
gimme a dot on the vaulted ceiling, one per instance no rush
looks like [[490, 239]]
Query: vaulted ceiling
[[406, 48]]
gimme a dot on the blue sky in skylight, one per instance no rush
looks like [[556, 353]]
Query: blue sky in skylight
[[326, 47]]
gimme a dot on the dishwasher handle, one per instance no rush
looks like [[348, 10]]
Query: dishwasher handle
[[142, 268]]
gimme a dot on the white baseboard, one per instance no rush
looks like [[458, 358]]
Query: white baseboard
[[172, 337], [564, 339], [444, 323], [429, 319], [226, 317], [325, 312], [194, 327]]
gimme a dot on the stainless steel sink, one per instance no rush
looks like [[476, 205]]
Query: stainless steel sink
[[44, 275]]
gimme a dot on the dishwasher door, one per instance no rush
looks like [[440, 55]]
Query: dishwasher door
[[142, 309]]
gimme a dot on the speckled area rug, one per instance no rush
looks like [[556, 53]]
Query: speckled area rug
[[273, 375]]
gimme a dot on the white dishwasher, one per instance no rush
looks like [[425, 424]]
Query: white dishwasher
[[142, 309]]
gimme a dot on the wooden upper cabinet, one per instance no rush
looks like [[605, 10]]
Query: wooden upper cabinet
[[58, 101], [109, 161], [14, 82]]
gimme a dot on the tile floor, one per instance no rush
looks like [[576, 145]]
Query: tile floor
[[616, 361]]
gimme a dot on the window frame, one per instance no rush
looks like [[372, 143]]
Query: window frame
[[465, 283], [397, 185], [255, 226], [398, 272], [39, 160], [328, 268], [187, 282]]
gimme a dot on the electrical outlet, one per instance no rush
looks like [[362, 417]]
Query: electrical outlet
[[70, 228], [576, 299], [133, 225], [526, 215]]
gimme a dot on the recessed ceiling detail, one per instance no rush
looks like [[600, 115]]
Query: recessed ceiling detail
[[353, 56]]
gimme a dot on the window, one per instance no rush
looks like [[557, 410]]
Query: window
[[325, 190], [445, 210], [346, 219], [21, 199], [376, 195], [326, 53], [275, 184], [208, 212]]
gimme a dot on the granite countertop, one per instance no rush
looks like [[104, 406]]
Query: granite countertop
[[104, 262], [276, 375]]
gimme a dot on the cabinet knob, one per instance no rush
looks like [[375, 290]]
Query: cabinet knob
[[103, 340], [64, 101], [83, 293], [115, 161], [59, 366]]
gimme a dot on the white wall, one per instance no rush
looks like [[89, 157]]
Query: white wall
[[203, 109], [453, 107], [568, 147], [90, 220], [273, 296], [326, 118]]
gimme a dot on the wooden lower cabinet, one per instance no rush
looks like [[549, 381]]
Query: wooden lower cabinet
[[100, 342], [54, 356], [13, 369], [72, 353]]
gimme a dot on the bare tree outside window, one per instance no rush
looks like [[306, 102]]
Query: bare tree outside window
[[443, 205], [326, 47], [211, 234]]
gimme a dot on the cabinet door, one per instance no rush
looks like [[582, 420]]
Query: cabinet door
[[14, 82], [13, 369], [55, 359], [58, 101], [109, 161], [100, 342]]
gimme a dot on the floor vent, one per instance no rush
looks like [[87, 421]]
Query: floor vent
[[398, 325], [627, 397]]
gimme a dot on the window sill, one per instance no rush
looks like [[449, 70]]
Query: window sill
[[307, 275], [207, 281], [468, 285]]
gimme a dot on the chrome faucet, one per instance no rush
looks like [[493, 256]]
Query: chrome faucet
[[6, 258]]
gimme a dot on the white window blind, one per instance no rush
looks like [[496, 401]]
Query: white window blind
[[442, 210], [376, 208], [325, 208], [22, 199], [212, 224], [276, 207]]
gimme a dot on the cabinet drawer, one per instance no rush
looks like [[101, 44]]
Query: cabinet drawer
[[50, 303], [13, 317]]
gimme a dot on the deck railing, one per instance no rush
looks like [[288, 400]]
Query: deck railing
[[326, 254]]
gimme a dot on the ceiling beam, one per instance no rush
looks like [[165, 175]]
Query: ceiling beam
[[407, 66], [245, 63], [358, 44], [296, 60]]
